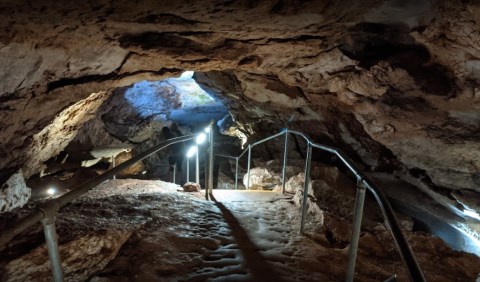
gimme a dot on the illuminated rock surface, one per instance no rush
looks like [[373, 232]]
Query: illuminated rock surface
[[14, 193], [161, 234], [395, 84]]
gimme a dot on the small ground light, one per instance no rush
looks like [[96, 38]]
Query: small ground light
[[201, 138], [51, 191]]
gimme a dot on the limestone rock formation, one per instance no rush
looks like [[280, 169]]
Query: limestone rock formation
[[14, 193], [191, 187], [82, 258], [395, 84], [375, 77], [260, 179]]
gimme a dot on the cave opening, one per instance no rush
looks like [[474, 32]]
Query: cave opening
[[133, 119], [393, 84]]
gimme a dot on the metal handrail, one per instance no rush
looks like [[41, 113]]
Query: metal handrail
[[61, 201], [363, 182], [236, 166], [46, 212]]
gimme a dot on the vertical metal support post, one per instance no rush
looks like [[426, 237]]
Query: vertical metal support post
[[174, 173], [308, 164], [51, 239], [188, 169], [236, 173], [248, 165], [210, 159], [205, 168], [285, 156], [113, 165], [197, 168], [357, 224]]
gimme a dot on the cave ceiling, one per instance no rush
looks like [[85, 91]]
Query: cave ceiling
[[394, 83]]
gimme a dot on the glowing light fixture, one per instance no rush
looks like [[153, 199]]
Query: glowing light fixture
[[207, 129], [200, 138], [192, 151], [51, 191]]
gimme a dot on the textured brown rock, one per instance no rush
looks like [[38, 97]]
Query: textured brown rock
[[82, 257], [404, 96], [396, 86], [191, 187], [53, 138], [260, 178]]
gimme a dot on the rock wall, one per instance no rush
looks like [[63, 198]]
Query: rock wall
[[396, 85], [14, 193]]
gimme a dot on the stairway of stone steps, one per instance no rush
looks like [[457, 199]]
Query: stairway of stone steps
[[239, 236], [260, 241]]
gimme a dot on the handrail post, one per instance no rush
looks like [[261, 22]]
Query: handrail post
[[174, 173], [357, 224], [197, 168], [248, 165], [285, 156], [188, 170], [306, 183], [113, 165], [205, 168], [51, 239], [210, 159], [236, 173]]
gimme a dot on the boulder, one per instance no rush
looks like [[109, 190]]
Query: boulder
[[191, 187], [261, 179], [14, 192], [293, 184]]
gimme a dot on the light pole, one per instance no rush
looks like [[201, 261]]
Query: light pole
[[200, 139], [209, 129], [188, 170], [197, 168], [193, 150]]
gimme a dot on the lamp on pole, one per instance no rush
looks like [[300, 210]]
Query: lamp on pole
[[200, 139]]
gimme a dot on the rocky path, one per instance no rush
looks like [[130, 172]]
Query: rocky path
[[134, 230], [263, 242], [241, 236]]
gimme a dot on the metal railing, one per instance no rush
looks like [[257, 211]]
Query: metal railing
[[363, 184], [46, 212], [236, 167]]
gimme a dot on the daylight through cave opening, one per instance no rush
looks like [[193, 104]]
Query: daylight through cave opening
[[131, 120], [394, 84]]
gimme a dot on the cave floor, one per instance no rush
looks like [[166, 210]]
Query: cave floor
[[137, 230]]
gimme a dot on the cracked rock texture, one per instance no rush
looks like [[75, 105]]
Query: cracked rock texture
[[394, 84], [14, 193]]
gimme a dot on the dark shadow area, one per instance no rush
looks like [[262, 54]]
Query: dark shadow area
[[370, 43], [260, 268]]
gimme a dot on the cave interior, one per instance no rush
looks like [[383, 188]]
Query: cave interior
[[394, 85]]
